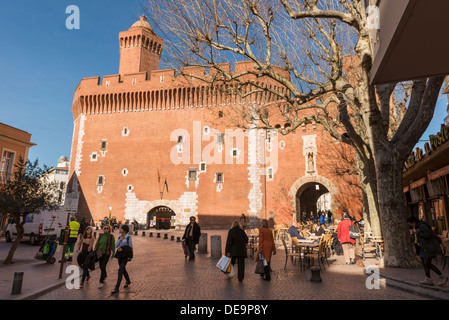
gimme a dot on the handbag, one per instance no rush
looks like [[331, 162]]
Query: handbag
[[224, 263], [354, 232], [260, 268]]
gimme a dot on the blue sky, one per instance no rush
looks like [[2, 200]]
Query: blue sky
[[42, 62]]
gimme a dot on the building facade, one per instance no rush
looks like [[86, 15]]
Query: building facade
[[14, 144], [151, 145]]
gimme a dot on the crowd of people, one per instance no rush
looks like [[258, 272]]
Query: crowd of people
[[82, 240]]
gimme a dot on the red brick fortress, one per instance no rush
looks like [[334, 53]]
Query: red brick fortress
[[146, 144]]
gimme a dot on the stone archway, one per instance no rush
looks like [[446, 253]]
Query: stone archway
[[161, 216], [305, 183]]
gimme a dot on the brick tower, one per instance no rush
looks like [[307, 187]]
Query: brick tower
[[140, 48]]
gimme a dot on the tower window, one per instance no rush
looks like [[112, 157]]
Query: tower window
[[219, 177], [162, 79], [180, 139], [192, 174], [103, 145], [100, 181], [270, 173], [220, 138], [203, 166], [220, 114], [134, 81], [234, 152]]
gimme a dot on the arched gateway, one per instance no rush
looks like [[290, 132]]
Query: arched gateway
[[161, 217], [306, 191]]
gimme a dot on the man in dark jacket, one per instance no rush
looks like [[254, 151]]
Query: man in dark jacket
[[236, 247], [428, 248], [192, 236]]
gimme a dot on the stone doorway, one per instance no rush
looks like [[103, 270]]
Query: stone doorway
[[161, 218]]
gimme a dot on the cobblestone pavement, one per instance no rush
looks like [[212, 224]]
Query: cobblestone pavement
[[160, 272]]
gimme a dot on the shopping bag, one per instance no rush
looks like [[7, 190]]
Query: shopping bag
[[185, 248], [260, 268], [224, 263], [231, 273]]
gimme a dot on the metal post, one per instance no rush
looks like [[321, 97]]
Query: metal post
[[17, 283], [65, 245]]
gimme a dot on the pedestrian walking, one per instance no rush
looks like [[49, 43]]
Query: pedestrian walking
[[322, 218], [104, 248], [427, 247], [267, 247], [85, 245], [236, 247], [192, 235], [74, 228], [347, 243], [124, 253], [83, 225], [243, 221]]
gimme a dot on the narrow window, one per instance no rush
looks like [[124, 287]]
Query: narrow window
[[270, 173], [203, 166], [220, 138], [220, 114], [180, 139], [219, 177], [234, 152], [104, 145], [192, 174], [100, 181]]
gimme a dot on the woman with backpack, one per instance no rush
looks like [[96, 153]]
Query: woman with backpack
[[124, 253], [347, 243]]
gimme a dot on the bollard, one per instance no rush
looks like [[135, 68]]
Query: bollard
[[215, 246], [158, 235], [172, 238], [165, 236], [143, 233], [202, 245], [17, 283], [178, 239], [151, 234], [315, 274]]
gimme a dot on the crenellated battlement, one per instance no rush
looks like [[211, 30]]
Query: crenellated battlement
[[164, 90]]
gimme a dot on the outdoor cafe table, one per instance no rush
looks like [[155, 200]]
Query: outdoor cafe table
[[305, 245]]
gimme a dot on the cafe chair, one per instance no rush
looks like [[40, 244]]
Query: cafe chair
[[289, 254]]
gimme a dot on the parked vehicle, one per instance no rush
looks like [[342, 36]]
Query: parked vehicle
[[39, 225]]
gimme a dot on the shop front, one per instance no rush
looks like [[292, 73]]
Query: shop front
[[426, 182]]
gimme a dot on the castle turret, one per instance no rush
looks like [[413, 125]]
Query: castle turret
[[140, 48]]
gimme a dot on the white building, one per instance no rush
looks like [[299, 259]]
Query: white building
[[60, 175]]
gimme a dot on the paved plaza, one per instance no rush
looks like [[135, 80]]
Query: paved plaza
[[159, 271]]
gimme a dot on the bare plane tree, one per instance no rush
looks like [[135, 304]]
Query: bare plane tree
[[318, 53]]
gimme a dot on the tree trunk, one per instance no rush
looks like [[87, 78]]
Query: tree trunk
[[370, 202], [393, 214], [20, 231]]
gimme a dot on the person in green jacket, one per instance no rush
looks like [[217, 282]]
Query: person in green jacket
[[105, 247]]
